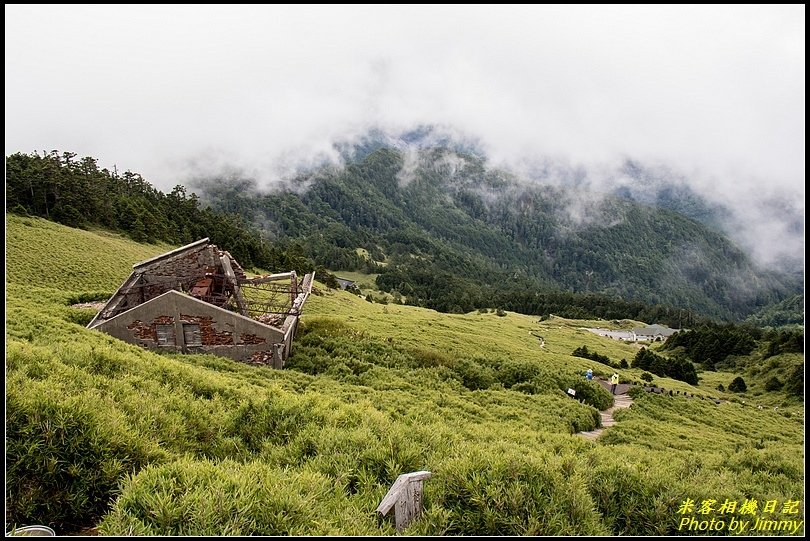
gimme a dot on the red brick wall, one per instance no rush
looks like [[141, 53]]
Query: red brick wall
[[142, 332], [251, 339], [209, 335]]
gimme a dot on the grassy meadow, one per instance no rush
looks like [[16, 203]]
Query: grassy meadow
[[100, 433]]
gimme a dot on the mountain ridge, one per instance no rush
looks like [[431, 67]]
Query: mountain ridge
[[441, 227], [453, 213]]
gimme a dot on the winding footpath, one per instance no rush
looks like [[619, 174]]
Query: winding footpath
[[620, 400]]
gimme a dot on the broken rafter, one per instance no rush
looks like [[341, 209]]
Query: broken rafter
[[226, 265], [268, 278], [169, 255]]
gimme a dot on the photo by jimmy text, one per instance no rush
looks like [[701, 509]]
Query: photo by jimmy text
[[735, 518]]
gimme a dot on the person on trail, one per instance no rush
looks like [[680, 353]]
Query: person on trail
[[589, 375], [614, 381]]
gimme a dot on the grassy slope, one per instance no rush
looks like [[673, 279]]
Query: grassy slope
[[44, 253], [207, 438], [363, 280], [517, 336]]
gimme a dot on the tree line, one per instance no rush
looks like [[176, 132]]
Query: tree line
[[676, 368], [433, 243], [78, 193], [711, 345], [585, 353]]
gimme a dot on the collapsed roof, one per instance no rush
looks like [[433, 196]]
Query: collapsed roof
[[202, 271]]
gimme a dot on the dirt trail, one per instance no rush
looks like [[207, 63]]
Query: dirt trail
[[621, 400]]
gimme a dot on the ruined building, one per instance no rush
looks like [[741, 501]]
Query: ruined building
[[197, 299]]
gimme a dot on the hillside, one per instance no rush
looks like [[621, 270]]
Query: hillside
[[442, 229], [70, 254], [456, 234], [102, 433]]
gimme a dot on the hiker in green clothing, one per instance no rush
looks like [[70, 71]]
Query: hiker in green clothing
[[614, 380]]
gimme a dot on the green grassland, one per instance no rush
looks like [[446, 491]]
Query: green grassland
[[75, 260], [102, 433], [363, 281]]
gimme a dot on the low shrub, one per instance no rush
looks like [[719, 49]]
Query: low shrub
[[591, 393], [205, 498], [634, 499], [487, 493], [65, 456], [737, 385], [475, 373], [773, 384]]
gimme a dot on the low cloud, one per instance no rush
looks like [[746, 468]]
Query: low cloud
[[174, 92]]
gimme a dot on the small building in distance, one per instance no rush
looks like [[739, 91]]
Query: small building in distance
[[345, 284], [651, 333], [197, 299], [616, 335]]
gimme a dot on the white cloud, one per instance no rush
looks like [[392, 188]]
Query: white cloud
[[716, 92]]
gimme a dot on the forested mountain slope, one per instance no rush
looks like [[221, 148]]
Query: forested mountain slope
[[441, 228], [455, 235]]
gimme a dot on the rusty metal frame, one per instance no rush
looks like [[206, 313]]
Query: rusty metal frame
[[268, 298]]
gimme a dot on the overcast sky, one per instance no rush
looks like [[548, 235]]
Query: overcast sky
[[715, 92]]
